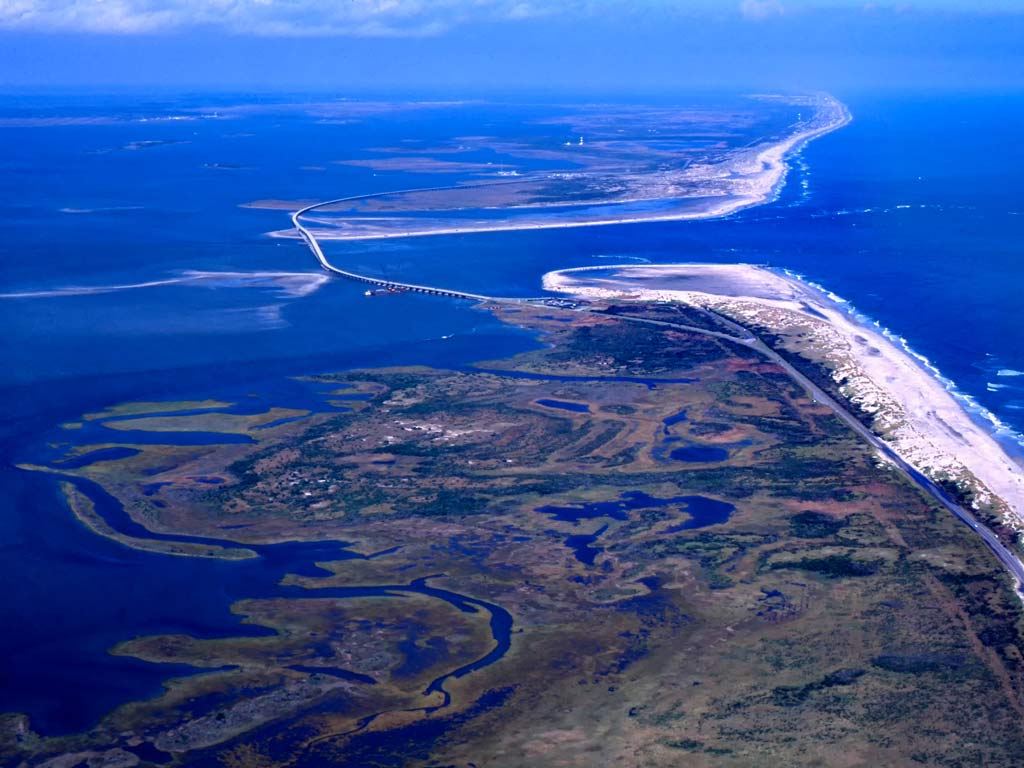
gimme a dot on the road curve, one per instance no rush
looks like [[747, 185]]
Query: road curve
[[314, 246], [743, 337]]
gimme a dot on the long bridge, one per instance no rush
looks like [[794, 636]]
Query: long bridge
[[394, 285], [391, 285]]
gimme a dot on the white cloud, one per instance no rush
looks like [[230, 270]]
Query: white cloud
[[254, 17], [379, 18], [761, 9], [394, 18]]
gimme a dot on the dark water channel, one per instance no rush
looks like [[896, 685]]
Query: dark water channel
[[155, 590], [703, 512]]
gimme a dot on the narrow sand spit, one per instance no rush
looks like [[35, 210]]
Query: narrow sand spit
[[912, 409], [752, 176]]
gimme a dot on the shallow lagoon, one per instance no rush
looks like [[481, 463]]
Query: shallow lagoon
[[867, 215], [564, 405], [703, 512], [73, 595]]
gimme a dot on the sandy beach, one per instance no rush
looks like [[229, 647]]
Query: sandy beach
[[912, 409], [751, 176]]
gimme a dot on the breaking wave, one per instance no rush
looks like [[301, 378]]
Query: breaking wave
[[1000, 429]]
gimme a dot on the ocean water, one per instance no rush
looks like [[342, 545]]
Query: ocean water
[[912, 214]]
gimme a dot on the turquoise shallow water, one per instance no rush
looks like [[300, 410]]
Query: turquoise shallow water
[[911, 213]]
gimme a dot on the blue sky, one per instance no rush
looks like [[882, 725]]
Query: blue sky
[[481, 45]]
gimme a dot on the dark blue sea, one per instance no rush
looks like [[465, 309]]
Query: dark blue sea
[[129, 271]]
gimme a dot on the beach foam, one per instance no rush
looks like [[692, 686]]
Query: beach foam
[[982, 415]]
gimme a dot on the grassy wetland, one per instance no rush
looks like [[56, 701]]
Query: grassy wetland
[[633, 546]]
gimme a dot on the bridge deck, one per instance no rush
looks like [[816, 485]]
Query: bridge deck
[[314, 246]]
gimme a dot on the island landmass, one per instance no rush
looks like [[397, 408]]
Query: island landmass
[[704, 521], [638, 164], [642, 538]]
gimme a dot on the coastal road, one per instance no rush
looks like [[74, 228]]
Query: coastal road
[[740, 335], [746, 338]]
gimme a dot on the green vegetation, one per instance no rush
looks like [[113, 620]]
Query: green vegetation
[[836, 617], [814, 525], [831, 565], [793, 696]]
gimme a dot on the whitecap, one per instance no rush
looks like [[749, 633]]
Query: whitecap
[[1009, 372], [1000, 429], [267, 317]]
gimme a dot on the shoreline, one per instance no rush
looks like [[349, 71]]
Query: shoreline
[[1009, 438], [800, 142], [917, 411], [764, 169]]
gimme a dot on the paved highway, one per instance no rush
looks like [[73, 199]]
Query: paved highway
[[740, 335], [747, 339]]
